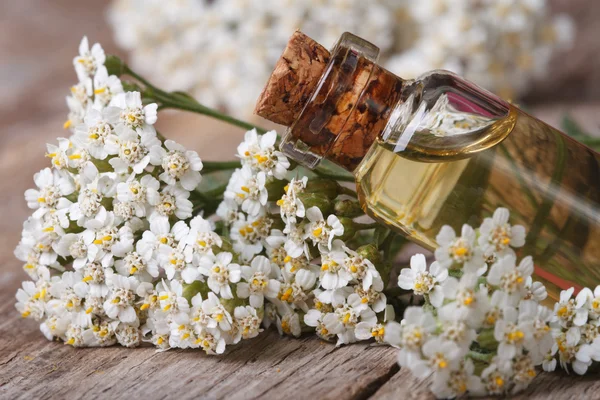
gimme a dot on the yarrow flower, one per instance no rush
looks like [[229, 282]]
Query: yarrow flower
[[110, 247], [487, 312], [123, 247], [503, 46]]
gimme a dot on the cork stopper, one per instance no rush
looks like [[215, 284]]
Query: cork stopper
[[293, 80], [335, 104]]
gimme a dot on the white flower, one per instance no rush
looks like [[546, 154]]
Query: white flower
[[68, 294], [183, 336], [372, 329], [541, 341], [510, 277], [161, 234], [257, 284], [296, 289], [333, 274], [412, 332], [172, 200], [121, 297], [228, 211], [495, 380], [201, 239], [289, 323], [211, 342], [111, 242], [137, 193], [459, 250], [440, 355], [458, 382], [88, 211], [134, 264], [53, 186], [89, 60], [30, 301], [248, 321], [362, 269], [322, 232], [566, 312], [179, 165], [128, 335], [175, 264], [549, 363], [214, 314], [317, 320], [511, 334], [498, 235], [295, 245], [374, 296], [248, 189], [127, 114], [588, 301], [76, 246], [77, 109], [249, 234], [105, 87], [469, 303], [535, 290], [93, 133], [567, 354], [421, 281], [132, 151], [220, 272], [291, 208], [59, 155], [347, 317], [258, 151], [586, 354], [172, 301]]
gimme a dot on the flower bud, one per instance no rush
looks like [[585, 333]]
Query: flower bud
[[347, 208], [486, 340], [275, 189], [114, 65], [316, 200], [349, 228], [326, 187], [192, 289], [231, 304], [370, 252]]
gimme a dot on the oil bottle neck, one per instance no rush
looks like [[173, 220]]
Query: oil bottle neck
[[349, 107]]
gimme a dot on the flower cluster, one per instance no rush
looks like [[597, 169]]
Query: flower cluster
[[576, 330], [482, 329], [501, 45], [210, 48], [123, 247], [119, 250], [111, 247], [316, 281]]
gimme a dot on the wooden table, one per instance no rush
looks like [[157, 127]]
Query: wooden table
[[38, 41]]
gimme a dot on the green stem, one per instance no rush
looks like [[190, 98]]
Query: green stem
[[347, 192], [336, 177], [486, 358], [200, 109], [184, 102], [361, 227], [187, 103], [210, 166]]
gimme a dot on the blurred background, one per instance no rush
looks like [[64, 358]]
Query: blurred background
[[542, 54]]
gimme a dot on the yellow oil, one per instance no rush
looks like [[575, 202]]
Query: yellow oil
[[550, 183]]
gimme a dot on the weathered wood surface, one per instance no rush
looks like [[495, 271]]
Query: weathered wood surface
[[38, 42]]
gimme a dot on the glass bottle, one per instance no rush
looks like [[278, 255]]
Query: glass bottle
[[440, 150]]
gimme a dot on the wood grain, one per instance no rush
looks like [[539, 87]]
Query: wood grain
[[37, 44]]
